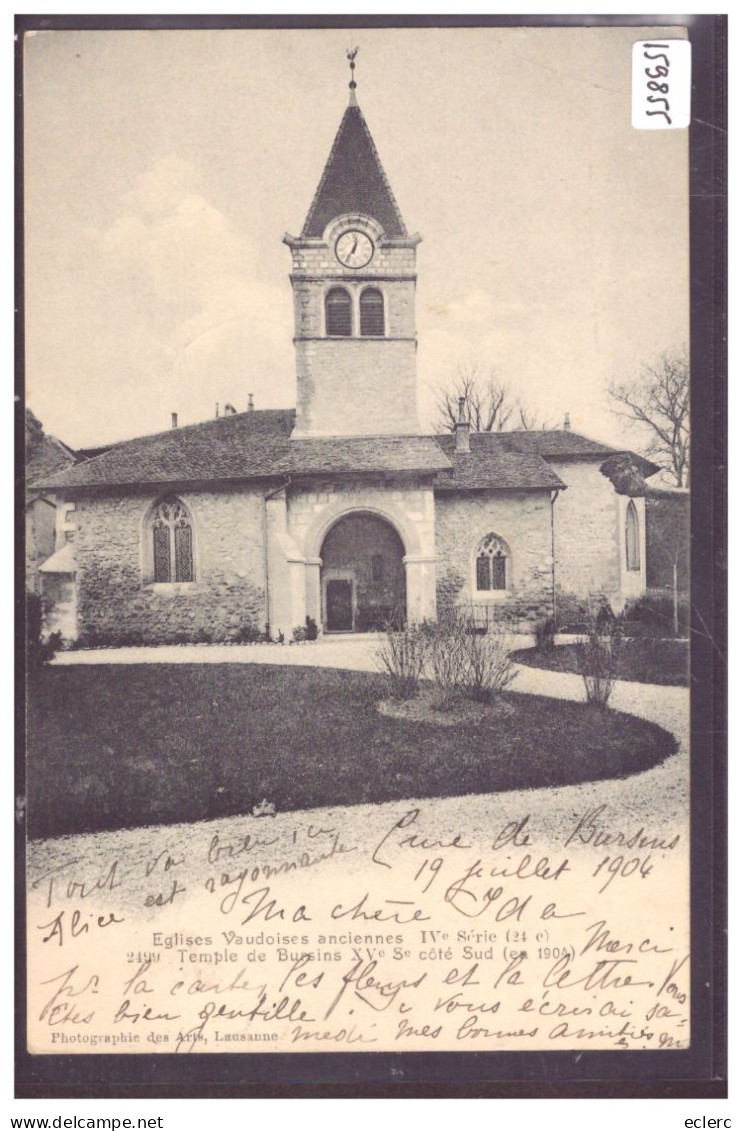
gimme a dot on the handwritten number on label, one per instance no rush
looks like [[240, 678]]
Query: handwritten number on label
[[654, 54]]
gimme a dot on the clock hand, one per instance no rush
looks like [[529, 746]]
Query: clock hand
[[355, 245]]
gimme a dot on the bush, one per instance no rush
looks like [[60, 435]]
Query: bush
[[446, 656], [545, 631], [463, 659], [306, 631], [488, 667], [598, 659], [248, 634], [654, 616], [401, 656], [39, 650]]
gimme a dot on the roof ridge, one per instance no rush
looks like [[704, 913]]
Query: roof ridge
[[181, 428]]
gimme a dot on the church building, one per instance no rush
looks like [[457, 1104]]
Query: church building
[[341, 509]]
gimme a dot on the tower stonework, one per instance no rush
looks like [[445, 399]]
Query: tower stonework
[[353, 278]]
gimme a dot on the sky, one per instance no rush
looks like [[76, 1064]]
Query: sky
[[162, 169]]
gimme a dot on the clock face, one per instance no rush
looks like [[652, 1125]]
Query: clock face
[[354, 249]]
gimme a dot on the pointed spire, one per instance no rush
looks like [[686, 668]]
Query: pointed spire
[[354, 179]]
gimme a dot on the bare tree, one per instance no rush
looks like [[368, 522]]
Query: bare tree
[[488, 404], [529, 421], [659, 401]]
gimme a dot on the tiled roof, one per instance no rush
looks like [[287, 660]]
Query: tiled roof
[[564, 444], [365, 453], [258, 445], [492, 464], [233, 447], [353, 181], [249, 445]]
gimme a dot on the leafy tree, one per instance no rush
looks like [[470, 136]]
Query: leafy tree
[[659, 402]]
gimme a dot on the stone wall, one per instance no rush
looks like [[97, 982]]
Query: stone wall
[[315, 257], [589, 535], [355, 386], [116, 603], [523, 521]]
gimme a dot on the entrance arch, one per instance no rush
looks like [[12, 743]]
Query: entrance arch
[[363, 577]]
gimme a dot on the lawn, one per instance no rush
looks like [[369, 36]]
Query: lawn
[[641, 659], [113, 746]]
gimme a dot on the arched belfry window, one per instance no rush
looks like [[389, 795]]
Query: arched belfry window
[[172, 541], [492, 565], [372, 313], [338, 316], [633, 556]]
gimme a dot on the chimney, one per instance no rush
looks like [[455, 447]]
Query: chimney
[[229, 409], [173, 420], [567, 425], [462, 428], [250, 402]]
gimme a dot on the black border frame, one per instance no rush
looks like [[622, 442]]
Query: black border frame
[[698, 1072]]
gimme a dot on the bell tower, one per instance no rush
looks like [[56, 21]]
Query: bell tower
[[353, 278]]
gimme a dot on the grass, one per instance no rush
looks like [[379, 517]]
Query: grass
[[117, 746], [641, 660]]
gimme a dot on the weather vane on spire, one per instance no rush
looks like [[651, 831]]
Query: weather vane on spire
[[351, 53]]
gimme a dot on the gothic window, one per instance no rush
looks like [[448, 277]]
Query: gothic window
[[338, 318], [632, 537], [492, 565], [372, 313], [172, 542]]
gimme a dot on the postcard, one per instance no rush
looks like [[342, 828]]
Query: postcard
[[358, 540]]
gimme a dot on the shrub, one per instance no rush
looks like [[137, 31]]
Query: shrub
[[446, 656], [573, 613], [39, 650], [248, 634], [464, 659], [598, 659], [488, 667], [401, 656], [306, 631], [545, 631], [655, 616]]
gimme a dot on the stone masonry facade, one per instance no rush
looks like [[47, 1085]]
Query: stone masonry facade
[[374, 379], [115, 602], [523, 521], [589, 536]]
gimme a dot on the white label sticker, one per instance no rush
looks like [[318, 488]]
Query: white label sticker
[[660, 85]]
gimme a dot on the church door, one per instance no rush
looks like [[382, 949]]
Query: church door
[[339, 597]]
